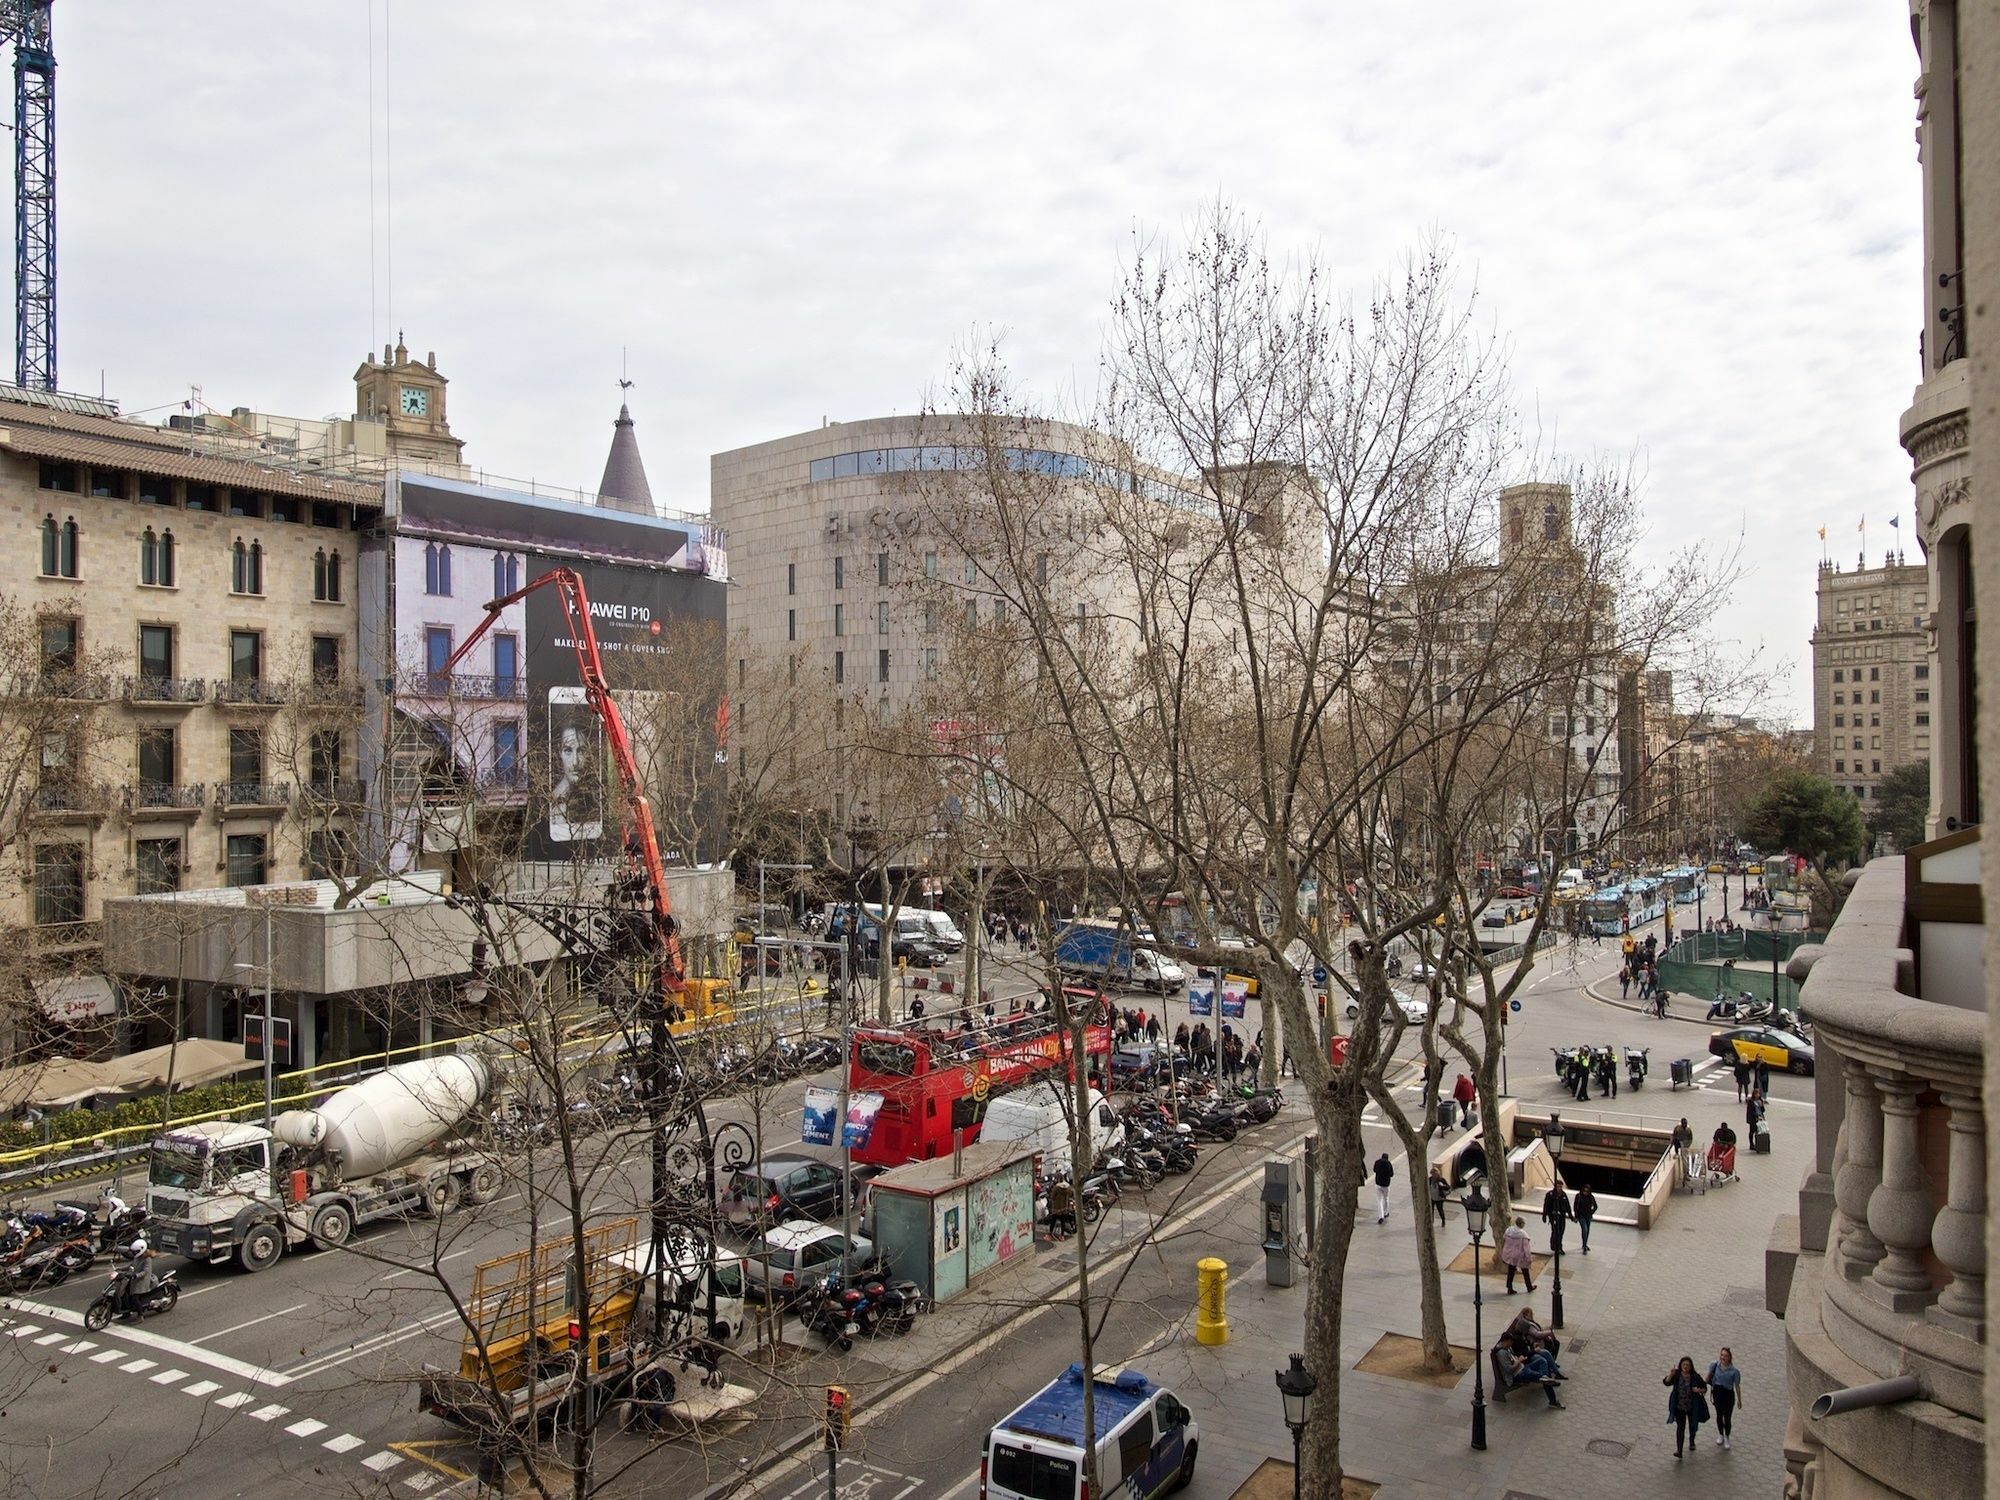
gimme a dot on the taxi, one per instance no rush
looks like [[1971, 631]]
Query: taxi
[[1715, 867], [1766, 1044]]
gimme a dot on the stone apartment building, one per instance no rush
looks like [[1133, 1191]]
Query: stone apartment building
[[1872, 684], [839, 569]]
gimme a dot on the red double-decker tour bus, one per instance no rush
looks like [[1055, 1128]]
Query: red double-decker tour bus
[[920, 1074]]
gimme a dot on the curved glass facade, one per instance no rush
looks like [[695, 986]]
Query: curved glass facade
[[940, 457]]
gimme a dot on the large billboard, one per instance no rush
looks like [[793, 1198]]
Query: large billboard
[[570, 812]]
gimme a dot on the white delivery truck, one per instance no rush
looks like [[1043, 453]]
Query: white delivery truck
[[1038, 1116], [390, 1145], [1146, 1442]]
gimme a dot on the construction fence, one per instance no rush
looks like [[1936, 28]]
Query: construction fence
[[1710, 965]]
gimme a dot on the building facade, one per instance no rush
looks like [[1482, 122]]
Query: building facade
[[1881, 1276], [1872, 682]]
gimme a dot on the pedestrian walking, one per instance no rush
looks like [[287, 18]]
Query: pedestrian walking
[[1556, 1214], [1153, 1030], [1625, 982], [1463, 1094], [1725, 1383], [1764, 1077], [1687, 1403], [1385, 1173], [1585, 1209], [1440, 1192], [1518, 1254], [1742, 1071], [1753, 1109]]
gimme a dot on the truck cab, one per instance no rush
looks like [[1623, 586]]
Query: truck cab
[[200, 1179], [1146, 1441]]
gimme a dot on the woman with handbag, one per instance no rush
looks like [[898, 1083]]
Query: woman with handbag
[[1687, 1403]]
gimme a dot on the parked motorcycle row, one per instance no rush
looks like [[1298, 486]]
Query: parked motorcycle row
[[873, 1304], [44, 1248], [1745, 1010], [1580, 1067]]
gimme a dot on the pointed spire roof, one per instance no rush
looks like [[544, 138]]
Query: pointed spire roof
[[624, 486]]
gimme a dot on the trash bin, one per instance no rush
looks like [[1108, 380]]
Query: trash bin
[[1447, 1112], [1683, 1070]]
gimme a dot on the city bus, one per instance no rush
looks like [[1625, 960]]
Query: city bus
[[921, 1073], [1620, 908], [1684, 883]]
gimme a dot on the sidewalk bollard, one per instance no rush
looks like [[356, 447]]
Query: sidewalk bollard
[[1212, 1293]]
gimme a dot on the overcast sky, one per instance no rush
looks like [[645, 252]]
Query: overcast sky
[[1696, 223]]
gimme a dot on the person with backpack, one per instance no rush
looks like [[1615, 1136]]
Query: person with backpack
[[1385, 1173]]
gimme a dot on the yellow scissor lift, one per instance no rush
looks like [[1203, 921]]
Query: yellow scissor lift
[[522, 1361]]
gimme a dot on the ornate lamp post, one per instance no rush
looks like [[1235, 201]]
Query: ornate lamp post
[[1553, 1136], [1295, 1388], [1475, 1205]]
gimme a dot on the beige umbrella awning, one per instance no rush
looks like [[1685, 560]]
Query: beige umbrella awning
[[54, 1084], [199, 1060]]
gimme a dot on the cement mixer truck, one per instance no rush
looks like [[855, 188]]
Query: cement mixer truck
[[397, 1143]]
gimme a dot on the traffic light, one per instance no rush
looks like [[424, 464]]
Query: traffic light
[[839, 1413]]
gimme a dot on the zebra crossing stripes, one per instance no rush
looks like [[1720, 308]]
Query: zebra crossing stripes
[[347, 1442]]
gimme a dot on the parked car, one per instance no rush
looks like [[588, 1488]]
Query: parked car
[[792, 1258], [1137, 1064], [779, 1188], [1765, 1044], [1424, 970]]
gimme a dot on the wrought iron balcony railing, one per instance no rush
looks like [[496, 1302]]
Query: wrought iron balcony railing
[[165, 690]]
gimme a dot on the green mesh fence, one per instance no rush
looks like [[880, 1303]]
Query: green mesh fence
[[1711, 964]]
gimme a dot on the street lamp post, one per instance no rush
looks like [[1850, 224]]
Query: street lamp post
[[1475, 1205], [1295, 1388], [1553, 1136]]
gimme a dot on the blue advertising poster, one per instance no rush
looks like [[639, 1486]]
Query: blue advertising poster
[[1201, 995], [816, 1122], [861, 1112], [1234, 995]]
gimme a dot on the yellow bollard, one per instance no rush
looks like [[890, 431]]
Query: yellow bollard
[[1211, 1326]]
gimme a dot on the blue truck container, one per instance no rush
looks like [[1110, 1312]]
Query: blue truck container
[[1105, 950]]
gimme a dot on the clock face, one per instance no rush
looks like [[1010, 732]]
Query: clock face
[[416, 401]]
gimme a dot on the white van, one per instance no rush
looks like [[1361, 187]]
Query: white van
[[1037, 1116], [943, 931], [1570, 880], [694, 1265], [1146, 1446]]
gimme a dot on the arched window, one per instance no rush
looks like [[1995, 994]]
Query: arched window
[[166, 556], [444, 571], [68, 559], [149, 567], [1515, 527], [319, 574], [246, 568], [333, 578], [51, 547], [513, 571], [431, 568], [1551, 522], [499, 574]]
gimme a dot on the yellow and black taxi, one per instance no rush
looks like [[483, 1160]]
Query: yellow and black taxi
[[1779, 1048]]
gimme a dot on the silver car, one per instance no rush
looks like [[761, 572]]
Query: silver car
[[793, 1258]]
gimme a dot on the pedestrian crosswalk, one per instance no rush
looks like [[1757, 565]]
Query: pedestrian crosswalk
[[251, 1406]]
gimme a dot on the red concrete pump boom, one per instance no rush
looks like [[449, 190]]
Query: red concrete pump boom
[[576, 606]]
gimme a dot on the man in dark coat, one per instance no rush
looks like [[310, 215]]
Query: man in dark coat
[[1555, 1214]]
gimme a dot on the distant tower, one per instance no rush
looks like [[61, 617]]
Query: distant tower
[[624, 486], [1534, 518]]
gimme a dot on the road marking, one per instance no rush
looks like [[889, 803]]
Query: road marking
[[79, 1346], [347, 1442], [230, 1403], [176, 1348], [252, 1322], [139, 1366], [306, 1428], [426, 1270], [364, 1346], [22, 1330], [108, 1355], [421, 1482], [168, 1377], [200, 1388], [269, 1413], [382, 1462], [52, 1338]]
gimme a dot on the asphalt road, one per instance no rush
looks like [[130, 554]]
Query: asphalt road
[[299, 1381]]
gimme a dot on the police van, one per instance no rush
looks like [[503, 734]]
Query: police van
[[1145, 1447]]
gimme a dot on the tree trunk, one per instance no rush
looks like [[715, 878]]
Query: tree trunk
[[1337, 1112], [1437, 1341]]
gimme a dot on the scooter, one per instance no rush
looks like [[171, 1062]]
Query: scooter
[[116, 1227], [1635, 1066], [833, 1316], [819, 1054], [46, 1262], [161, 1299]]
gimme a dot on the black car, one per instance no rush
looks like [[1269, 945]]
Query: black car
[[780, 1188]]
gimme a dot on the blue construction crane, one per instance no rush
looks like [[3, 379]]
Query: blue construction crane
[[25, 23]]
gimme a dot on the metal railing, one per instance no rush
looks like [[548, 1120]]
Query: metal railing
[[164, 796], [144, 689], [262, 691], [73, 797], [329, 692], [70, 687], [253, 794], [464, 685]]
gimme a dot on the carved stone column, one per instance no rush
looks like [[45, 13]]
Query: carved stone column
[[1899, 1211], [1959, 1234], [1859, 1172]]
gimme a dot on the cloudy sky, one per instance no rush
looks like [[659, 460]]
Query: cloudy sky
[[1697, 224]]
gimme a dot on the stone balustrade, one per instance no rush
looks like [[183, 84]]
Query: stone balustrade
[[1884, 1271]]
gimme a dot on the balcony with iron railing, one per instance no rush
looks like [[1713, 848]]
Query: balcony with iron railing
[[70, 800], [253, 794], [336, 792], [163, 798], [165, 692], [470, 686], [322, 690], [49, 938], [254, 692], [62, 686], [1883, 1272]]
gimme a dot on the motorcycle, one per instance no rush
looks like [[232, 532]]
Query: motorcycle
[[833, 1314], [1635, 1066], [819, 1054], [1128, 1173], [1210, 1124], [161, 1299], [1260, 1105], [116, 1226], [45, 1262]]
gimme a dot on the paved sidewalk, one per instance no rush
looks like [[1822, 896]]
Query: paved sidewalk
[[1638, 1301]]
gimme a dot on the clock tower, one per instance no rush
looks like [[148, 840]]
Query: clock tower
[[408, 398]]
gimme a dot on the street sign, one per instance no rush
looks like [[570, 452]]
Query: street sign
[[281, 1040], [1514, 1005]]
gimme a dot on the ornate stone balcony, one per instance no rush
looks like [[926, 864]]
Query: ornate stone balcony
[[1883, 1273]]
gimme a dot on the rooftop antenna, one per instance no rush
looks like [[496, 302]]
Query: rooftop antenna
[[624, 384]]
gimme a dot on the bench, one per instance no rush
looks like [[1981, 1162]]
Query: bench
[[1501, 1384]]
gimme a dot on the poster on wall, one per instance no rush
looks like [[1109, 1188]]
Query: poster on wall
[[948, 1243], [1002, 1214]]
